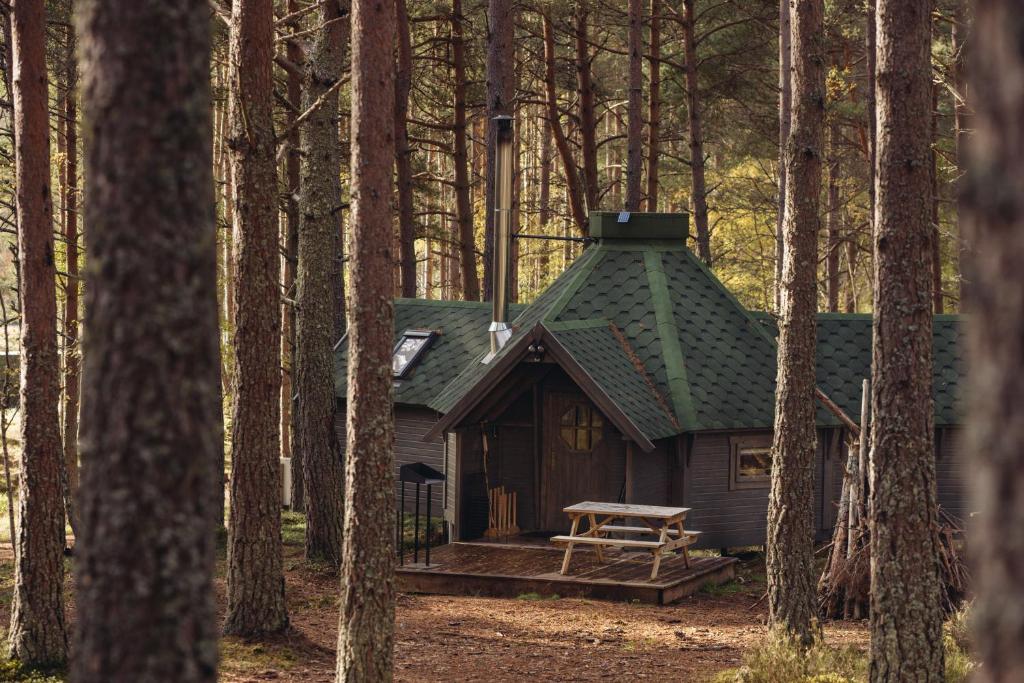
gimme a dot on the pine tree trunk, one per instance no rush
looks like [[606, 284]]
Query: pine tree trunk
[[501, 91], [906, 616], [588, 119], [850, 303], [871, 61], [573, 186], [71, 349], [634, 120], [790, 560], [463, 205], [785, 114], [319, 208], [255, 569], [366, 628], [698, 185], [290, 239], [544, 201], [151, 422], [961, 116], [403, 153], [37, 634], [654, 109], [994, 218], [833, 219], [933, 168]]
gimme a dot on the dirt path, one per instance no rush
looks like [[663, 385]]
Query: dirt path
[[441, 638]]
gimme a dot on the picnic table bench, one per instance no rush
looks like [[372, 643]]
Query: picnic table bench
[[664, 522]]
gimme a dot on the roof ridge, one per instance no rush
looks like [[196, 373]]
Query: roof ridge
[[672, 351], [642, 371], [573, 286]]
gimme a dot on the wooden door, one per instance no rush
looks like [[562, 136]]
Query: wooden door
[[574, 459]]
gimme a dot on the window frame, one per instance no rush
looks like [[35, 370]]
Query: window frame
[[595, 430], [427, 335], [737, 481]]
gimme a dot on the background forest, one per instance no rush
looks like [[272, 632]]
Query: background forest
[[720, 98]]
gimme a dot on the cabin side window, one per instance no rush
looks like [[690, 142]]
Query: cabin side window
[[750, 462], [580, 427]]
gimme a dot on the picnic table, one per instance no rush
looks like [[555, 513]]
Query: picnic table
[[664, 522]]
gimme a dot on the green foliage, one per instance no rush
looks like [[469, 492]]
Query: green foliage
[[780, 660], [719, 589], [293, 528], [534, 597], [251, 658], [958, 645], [959, 664], [13, 670]]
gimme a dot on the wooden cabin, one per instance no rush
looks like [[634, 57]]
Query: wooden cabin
[[635, 377]]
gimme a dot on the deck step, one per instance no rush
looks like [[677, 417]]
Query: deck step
[[592, 540]]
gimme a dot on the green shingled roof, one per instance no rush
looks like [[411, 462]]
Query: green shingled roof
[[462, 328], [844, 361], [687, 356], [658, 336]]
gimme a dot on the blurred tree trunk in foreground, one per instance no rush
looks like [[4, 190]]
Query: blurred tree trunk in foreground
[[994, 201], [151, 423]]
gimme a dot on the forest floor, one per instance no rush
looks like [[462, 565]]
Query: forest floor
[[442, 638]]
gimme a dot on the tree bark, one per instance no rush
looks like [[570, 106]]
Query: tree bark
[[37, 634], [833, 220], [573, 186], [501, 92], [698, 185], [366, 629], [255, 569], [906, 616], [790, 560], [463, 206], [871, 60], [403, 153], [654, 108], [588, 119], [785, 114], [151, 423], [634, 120], [289, 413], [71, 350], [933, 169], [994, 218], [961, 115], [319, 236]]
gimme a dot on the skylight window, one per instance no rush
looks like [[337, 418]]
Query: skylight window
[[409, 350]]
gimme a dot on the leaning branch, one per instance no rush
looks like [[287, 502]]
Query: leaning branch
[[834, 408], [301, 118]]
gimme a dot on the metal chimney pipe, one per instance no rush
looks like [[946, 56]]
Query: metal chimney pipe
[[502, 252]]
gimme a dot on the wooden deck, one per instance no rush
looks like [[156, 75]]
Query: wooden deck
[[510, 570]]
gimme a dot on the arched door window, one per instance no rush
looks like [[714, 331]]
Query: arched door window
[[580, 427]]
